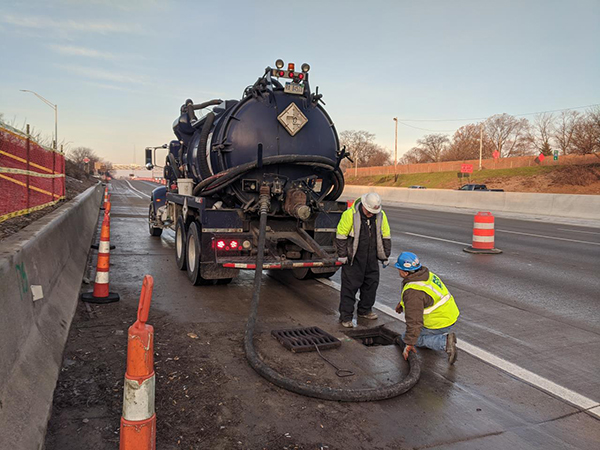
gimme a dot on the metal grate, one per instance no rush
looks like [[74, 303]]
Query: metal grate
[[304, 339]]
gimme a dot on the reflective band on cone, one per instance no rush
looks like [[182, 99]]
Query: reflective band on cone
[[105, 198], [101, 293], [483, 235], [138, 421]]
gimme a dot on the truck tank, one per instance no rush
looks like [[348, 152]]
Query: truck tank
[[277, 134]]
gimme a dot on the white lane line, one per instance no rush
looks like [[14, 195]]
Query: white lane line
[[525, 375], [578, 231], [595, 411], [143, 193], [548, 237], [434, 238]]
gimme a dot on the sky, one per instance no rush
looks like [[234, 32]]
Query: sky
[[119, 70]]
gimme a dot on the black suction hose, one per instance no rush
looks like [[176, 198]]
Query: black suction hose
[[220, 180], [322, 392], [203, 154]]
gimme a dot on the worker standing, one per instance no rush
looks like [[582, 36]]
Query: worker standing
[[429, 309], [363, 239]]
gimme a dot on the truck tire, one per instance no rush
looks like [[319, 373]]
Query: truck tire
[[324, 274], [153, 231], [303, 273], [180, 243], [193, 252]]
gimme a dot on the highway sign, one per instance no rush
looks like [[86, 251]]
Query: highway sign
[[466, 168], [86, 160]]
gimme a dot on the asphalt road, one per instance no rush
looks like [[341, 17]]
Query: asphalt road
[[527, 376]]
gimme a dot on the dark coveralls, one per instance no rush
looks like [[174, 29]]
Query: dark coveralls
[[362, 274]]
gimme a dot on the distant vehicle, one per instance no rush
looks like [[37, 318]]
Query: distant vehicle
[[416, 186], [478, 187]]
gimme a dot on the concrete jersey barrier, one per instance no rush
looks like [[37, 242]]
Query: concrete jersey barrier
[[557, 205], [41, 268]]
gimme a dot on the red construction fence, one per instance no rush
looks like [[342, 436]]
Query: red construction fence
[[31, 176], [454, 166]]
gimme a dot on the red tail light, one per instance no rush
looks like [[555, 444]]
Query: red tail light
[[227, 245]]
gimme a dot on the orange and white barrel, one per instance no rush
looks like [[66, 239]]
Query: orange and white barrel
[[483, 234], [138, 420]]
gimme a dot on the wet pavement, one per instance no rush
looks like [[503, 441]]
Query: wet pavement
[[521, 307]]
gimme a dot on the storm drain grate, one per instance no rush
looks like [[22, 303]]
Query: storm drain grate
[[373, 337], [304, 339]]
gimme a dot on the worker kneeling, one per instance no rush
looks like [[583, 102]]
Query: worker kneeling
[[429, 308], [362, 239]]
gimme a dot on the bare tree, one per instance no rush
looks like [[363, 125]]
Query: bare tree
[[563, 130], [508, 134], [586, 133], [363, 150], [78, 155], [465, 144], [432, 146], [541, 133], [413, 156], [379, 157]]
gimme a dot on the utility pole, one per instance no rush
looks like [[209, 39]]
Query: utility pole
[[396, 151], [480, 144]]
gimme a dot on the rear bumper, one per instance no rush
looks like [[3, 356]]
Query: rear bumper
[[282, 264]]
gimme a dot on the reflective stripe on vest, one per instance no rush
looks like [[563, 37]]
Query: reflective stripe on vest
[[444, 311]]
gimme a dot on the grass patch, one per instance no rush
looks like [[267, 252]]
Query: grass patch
[[450, 180]]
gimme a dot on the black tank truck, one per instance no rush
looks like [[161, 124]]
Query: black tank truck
[[277, 140]]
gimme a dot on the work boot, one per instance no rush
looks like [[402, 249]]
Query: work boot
[[347, 324], [451, 348], [370, 315]]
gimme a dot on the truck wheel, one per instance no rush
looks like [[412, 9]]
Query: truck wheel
[[180, 241], [324, 274], [193, 249], [151, 218], [302, 273]]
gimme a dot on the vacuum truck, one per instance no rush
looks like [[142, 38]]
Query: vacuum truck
[[277, 143]]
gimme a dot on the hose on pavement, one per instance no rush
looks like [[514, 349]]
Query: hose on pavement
[[321, 392]]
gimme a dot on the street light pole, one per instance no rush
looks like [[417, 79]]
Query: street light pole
[[396, 151], [55, 107]]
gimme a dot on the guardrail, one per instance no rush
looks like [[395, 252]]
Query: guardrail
[[558, 205], [41, 268]]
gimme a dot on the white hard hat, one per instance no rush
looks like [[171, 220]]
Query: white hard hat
[[372, 202]]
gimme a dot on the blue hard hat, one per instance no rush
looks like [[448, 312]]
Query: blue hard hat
[[408, 262]]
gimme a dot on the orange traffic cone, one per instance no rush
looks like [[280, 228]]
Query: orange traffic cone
[[138, 421], [107, 208], [101, 293], [105, 198]]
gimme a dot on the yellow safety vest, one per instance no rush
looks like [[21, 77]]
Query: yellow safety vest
[[349, 226], [444, 311]]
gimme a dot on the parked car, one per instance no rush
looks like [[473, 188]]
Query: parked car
[[416, 186], [478, 187]]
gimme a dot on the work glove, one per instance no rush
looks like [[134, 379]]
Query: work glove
[[385, 263], [409, 348], [343, 260], [399, 308]]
